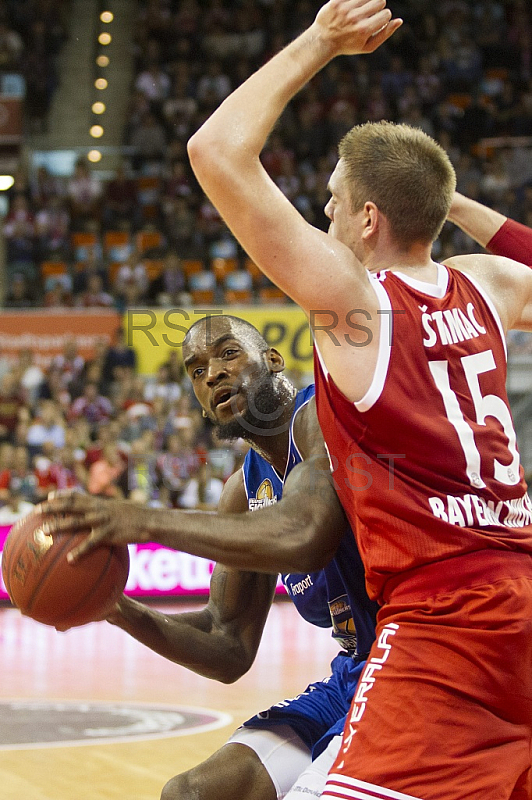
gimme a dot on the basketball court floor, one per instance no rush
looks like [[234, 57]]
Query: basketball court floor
[[91, 714]]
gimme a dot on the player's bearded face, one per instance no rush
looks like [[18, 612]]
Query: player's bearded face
[[262, 410]]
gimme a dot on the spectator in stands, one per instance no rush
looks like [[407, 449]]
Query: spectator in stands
[[154, 85], [15, 506], [120, 359], [11, 402], [203, 490], [168, 288], [52, 230], [132, 271], [11, 47], [91, 265], [23, 474], [20, 293], [57, 294], [84, 193], [19, 232], [120, 202], [31, 375], [95, 295], [67, 471], [91, 405], [176, 368], [105, 474], [148, 139], [6, 465], [48, 427], [162, 386]]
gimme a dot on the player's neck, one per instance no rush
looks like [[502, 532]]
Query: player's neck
[[273, 444], [416, 262]]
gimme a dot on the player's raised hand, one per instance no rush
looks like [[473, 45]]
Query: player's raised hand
[[351, 27]]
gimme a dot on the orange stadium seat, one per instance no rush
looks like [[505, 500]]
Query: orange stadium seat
[[52, 268], [272, 295], [154, 267], [222, 267], [148, 240], [117, 245], [253, 270], [235, 296], [192, 265]]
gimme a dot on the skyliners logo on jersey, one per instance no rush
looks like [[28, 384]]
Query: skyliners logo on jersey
[[265, 496]]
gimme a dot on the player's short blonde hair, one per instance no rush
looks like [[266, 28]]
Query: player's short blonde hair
[[406, 174]]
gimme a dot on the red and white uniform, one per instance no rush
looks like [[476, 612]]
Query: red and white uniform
[[427, 468]]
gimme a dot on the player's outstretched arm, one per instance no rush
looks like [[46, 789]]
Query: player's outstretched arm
[[224, 155], [494, 231], [300, 533], [220, 641]]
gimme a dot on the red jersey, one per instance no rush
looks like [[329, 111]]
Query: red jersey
[[426, 464]]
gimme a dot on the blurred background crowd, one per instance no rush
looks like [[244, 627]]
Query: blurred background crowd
[[146, 235]]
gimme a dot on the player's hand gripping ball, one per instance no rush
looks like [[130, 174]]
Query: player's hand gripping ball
[[46, 587]]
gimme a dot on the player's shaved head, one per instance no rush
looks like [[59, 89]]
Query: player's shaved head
[[217, 325]]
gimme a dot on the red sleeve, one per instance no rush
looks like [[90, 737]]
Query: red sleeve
[[513, 240]]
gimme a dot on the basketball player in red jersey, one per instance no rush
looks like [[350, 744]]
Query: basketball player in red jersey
[[494, 231], [410, 387]]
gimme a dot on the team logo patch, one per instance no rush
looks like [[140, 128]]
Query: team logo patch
[[265, 496], [27, 724], [344, 629]]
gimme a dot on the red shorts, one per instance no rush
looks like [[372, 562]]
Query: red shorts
[[443, 709]]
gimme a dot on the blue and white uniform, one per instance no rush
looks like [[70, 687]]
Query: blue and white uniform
[[334, 597]]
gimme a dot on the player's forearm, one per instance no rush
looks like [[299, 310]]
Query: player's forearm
[[279, 538], [475, 219], [186, 639]]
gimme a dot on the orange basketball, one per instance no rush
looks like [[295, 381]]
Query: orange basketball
[[44, 586]]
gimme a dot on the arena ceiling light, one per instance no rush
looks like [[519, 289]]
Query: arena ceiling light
[[100, 83], [96, 131], [105, 38], [103, 61], [6, 182], [107, 16], [94, 156], [98, 107]]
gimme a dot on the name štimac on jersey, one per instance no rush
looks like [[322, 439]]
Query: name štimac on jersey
[[265, 496]]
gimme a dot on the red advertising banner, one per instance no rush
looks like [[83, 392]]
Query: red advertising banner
[[45, 332]]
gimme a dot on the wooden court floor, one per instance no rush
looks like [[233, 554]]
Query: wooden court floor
[[99, 663]]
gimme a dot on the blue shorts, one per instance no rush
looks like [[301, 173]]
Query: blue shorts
[[318, 713]]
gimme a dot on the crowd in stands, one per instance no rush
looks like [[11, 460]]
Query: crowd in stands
[[459, 69], [32, 33], [97, 425]]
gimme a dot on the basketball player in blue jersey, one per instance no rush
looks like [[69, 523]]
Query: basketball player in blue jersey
[[239, 382]]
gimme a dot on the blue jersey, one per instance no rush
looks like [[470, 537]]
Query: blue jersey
[[331, 597]]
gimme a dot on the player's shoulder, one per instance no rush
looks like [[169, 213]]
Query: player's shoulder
[[307, 433]]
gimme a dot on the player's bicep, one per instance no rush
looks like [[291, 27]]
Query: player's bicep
[[311, 496]]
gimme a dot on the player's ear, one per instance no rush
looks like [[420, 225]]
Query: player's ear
[[274, 360], [371, 220]]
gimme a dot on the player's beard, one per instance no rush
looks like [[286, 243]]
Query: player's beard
[[263, 414]]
